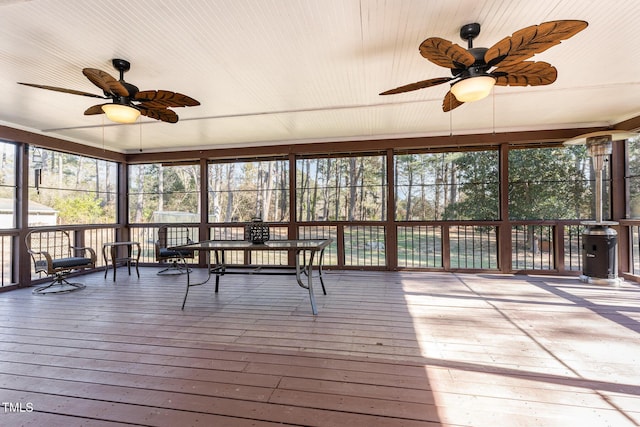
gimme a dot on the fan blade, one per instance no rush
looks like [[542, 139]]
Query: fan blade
[[525, 43], [526, 73], [94, 109], [446, 54], [105, 81], [164, 98], [162, 114], [450, 102], [60, 89], [418, 85]]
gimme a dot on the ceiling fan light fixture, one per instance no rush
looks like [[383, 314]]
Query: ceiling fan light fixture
[[121, 113], [473, 88]]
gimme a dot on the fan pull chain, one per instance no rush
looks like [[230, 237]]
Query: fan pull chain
[[103, 147], [140, 123], [493, 97], [450, 118]]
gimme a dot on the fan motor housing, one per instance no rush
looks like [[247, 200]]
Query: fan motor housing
[[469, 32], [478, 53], [132, 89], [121, 65]]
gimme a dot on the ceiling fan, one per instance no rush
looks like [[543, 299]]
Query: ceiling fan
[[128, 102], [473, 69]]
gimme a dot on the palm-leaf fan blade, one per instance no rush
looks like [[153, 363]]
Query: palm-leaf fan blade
[[60, 89], [94, 109], [450, 102], [165, 98], [162, 114], [525, 43], [446, 54], [417, 85], [526, 73], [105, 81]]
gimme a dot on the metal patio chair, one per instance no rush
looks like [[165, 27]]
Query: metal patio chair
[[170, 235], [53, 254]]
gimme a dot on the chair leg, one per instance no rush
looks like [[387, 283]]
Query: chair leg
[[59, 285], [174, 268]]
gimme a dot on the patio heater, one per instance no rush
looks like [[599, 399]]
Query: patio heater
[[599, 239]]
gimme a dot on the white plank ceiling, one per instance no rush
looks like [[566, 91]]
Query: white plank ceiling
[[296, 71]]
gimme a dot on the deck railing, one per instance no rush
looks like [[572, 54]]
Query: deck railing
[[417, 246], [7, 259], [549, 246]]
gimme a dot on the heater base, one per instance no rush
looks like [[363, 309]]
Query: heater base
[[600, 281]]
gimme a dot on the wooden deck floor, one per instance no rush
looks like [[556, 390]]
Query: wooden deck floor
[[386, 349]]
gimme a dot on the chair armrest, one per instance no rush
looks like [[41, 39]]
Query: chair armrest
[[92, 253], [40, 265], [44, 254]]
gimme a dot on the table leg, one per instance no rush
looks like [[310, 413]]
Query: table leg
[[309, 285], [138, 259], [184, 301], [129, 249], [320, 261], [114, 256], [106, 264], [220, 266], [189, 284], [309, 268]]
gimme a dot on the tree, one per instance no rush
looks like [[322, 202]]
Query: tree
[[82, 209], [550, 183], [477, 194], [544, 183]]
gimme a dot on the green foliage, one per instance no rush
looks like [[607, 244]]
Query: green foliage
[[544, 183], [478, 187], [633, 180], [549, 183], [82, 189], [83, 209], [351, 188]]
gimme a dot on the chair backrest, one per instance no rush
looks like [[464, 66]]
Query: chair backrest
[[57, 243], [173, 235]]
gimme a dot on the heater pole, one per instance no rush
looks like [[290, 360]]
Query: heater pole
[[599, 148]]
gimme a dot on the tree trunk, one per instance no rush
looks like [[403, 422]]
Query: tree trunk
[[407, 215], [337, 187], [325, 195], [139, 206], [214, 193], [267, 191], [453, 185], [385, 188], [160, 189], [352, 189], [228, 217], [299, 199], [258, 213], [284, 197], [314, 198]]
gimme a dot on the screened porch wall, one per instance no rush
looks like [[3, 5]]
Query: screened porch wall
[[387, 234], [447, 247]]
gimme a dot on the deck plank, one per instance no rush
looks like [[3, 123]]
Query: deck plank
[[386, 349]]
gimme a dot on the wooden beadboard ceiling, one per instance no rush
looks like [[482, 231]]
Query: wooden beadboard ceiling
[[285, 71]]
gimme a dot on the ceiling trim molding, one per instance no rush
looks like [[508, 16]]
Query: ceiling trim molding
[[25, 137], [632, 124], [453, 141], [534, 137]]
